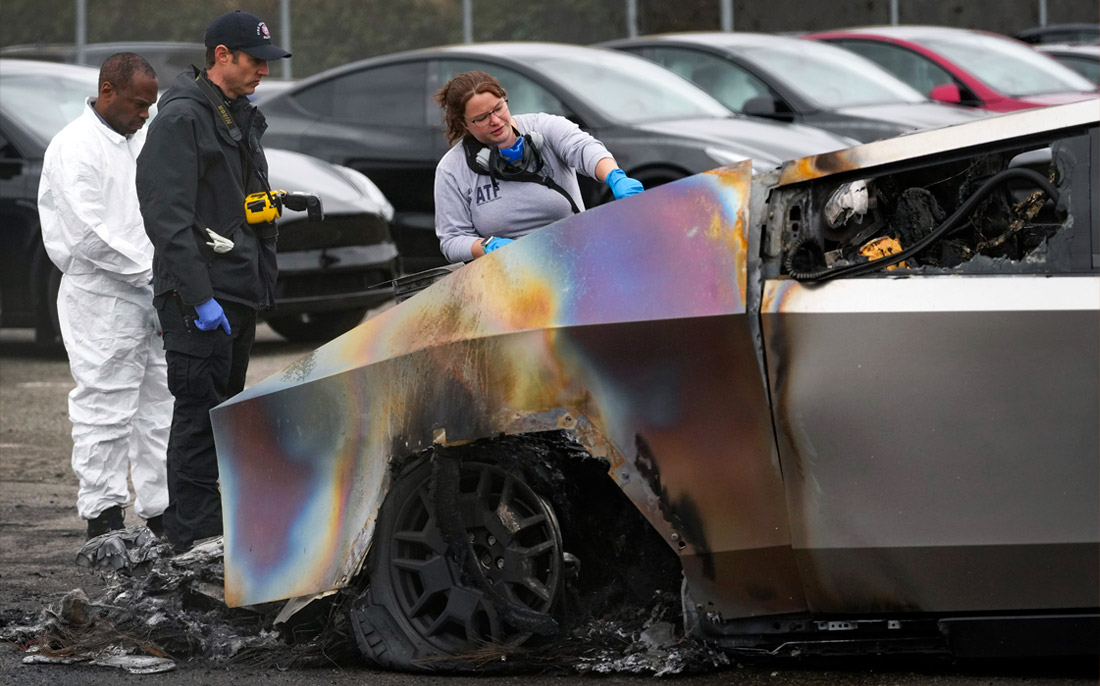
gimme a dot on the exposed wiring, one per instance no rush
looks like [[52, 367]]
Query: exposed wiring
[[826, 273]]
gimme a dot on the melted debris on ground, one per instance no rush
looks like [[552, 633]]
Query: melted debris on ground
[[646, 640], [159, 607]]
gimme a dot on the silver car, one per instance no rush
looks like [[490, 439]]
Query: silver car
[[847, 406]]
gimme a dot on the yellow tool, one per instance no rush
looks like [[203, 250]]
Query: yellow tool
[[267, 206]]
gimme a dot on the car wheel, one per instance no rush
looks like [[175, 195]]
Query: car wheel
[[316, 326], [464, 557]]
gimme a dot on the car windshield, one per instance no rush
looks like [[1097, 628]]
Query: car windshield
[[831, 77], [45, 103], [1009, 67], [628, 88]]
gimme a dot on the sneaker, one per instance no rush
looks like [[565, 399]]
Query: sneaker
[[156, 525], [108, 520]]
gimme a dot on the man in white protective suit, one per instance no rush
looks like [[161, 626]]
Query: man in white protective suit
[[121, 408]]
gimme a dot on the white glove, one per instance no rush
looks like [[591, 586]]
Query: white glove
[[220, 244]]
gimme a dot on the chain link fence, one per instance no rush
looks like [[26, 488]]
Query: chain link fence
[[327, 33]]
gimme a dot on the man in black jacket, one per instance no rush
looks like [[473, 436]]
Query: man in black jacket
[[212, 270]]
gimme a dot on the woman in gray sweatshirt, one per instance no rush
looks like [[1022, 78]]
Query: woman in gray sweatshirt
[[511, 174]]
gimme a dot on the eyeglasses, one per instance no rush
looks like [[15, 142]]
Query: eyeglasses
[[498, 111]]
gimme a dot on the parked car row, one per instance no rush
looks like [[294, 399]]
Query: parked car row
[[378, 116], [791, 79]]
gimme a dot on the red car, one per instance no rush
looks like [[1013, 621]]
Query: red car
[[965, 67]]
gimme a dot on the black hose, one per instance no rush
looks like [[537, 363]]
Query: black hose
[[949, 223], [810, 245]]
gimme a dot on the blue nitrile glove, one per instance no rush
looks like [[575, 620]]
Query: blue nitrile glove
[[211, 316], [622, 186], [494, 243], [513, 153]]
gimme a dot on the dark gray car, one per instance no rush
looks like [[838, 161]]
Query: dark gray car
[[794, 80], [377, 116]]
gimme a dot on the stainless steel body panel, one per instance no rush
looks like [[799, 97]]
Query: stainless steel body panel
[[939, 439]]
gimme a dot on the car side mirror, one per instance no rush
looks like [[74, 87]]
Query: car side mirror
[[947, 93], [760, 106]]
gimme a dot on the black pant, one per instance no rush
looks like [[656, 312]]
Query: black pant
[[204, 369]]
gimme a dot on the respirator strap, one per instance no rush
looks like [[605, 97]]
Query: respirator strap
[[218, 103], [219, 106], [483, 159]]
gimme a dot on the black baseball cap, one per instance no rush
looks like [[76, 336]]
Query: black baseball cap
[[239, 30]]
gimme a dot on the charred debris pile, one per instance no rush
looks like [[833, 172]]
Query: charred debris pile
[[620, 611]]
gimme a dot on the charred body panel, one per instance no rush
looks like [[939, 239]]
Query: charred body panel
[[613, 324]]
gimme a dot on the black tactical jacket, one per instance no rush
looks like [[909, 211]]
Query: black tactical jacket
[[191, 175]]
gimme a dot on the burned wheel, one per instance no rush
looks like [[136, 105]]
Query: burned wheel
[[464, 556]]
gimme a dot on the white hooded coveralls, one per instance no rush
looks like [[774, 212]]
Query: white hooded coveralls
[[121, 408]]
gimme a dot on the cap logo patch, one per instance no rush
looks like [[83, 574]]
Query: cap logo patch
[[261, 30]]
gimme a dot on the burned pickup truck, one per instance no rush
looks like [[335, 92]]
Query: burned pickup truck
[[849, 405]]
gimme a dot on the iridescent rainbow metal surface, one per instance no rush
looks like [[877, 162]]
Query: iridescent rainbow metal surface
[[613, 324]]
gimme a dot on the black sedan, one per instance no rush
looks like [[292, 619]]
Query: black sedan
[[377, 116], [331, 273], [795, 80]]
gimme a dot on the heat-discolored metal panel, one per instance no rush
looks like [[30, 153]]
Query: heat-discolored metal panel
[[626, 324]]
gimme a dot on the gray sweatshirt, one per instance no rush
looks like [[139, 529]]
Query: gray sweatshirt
[[467, 207]]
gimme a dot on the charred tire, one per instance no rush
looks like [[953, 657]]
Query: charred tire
[[316, 326], [490, 575]]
